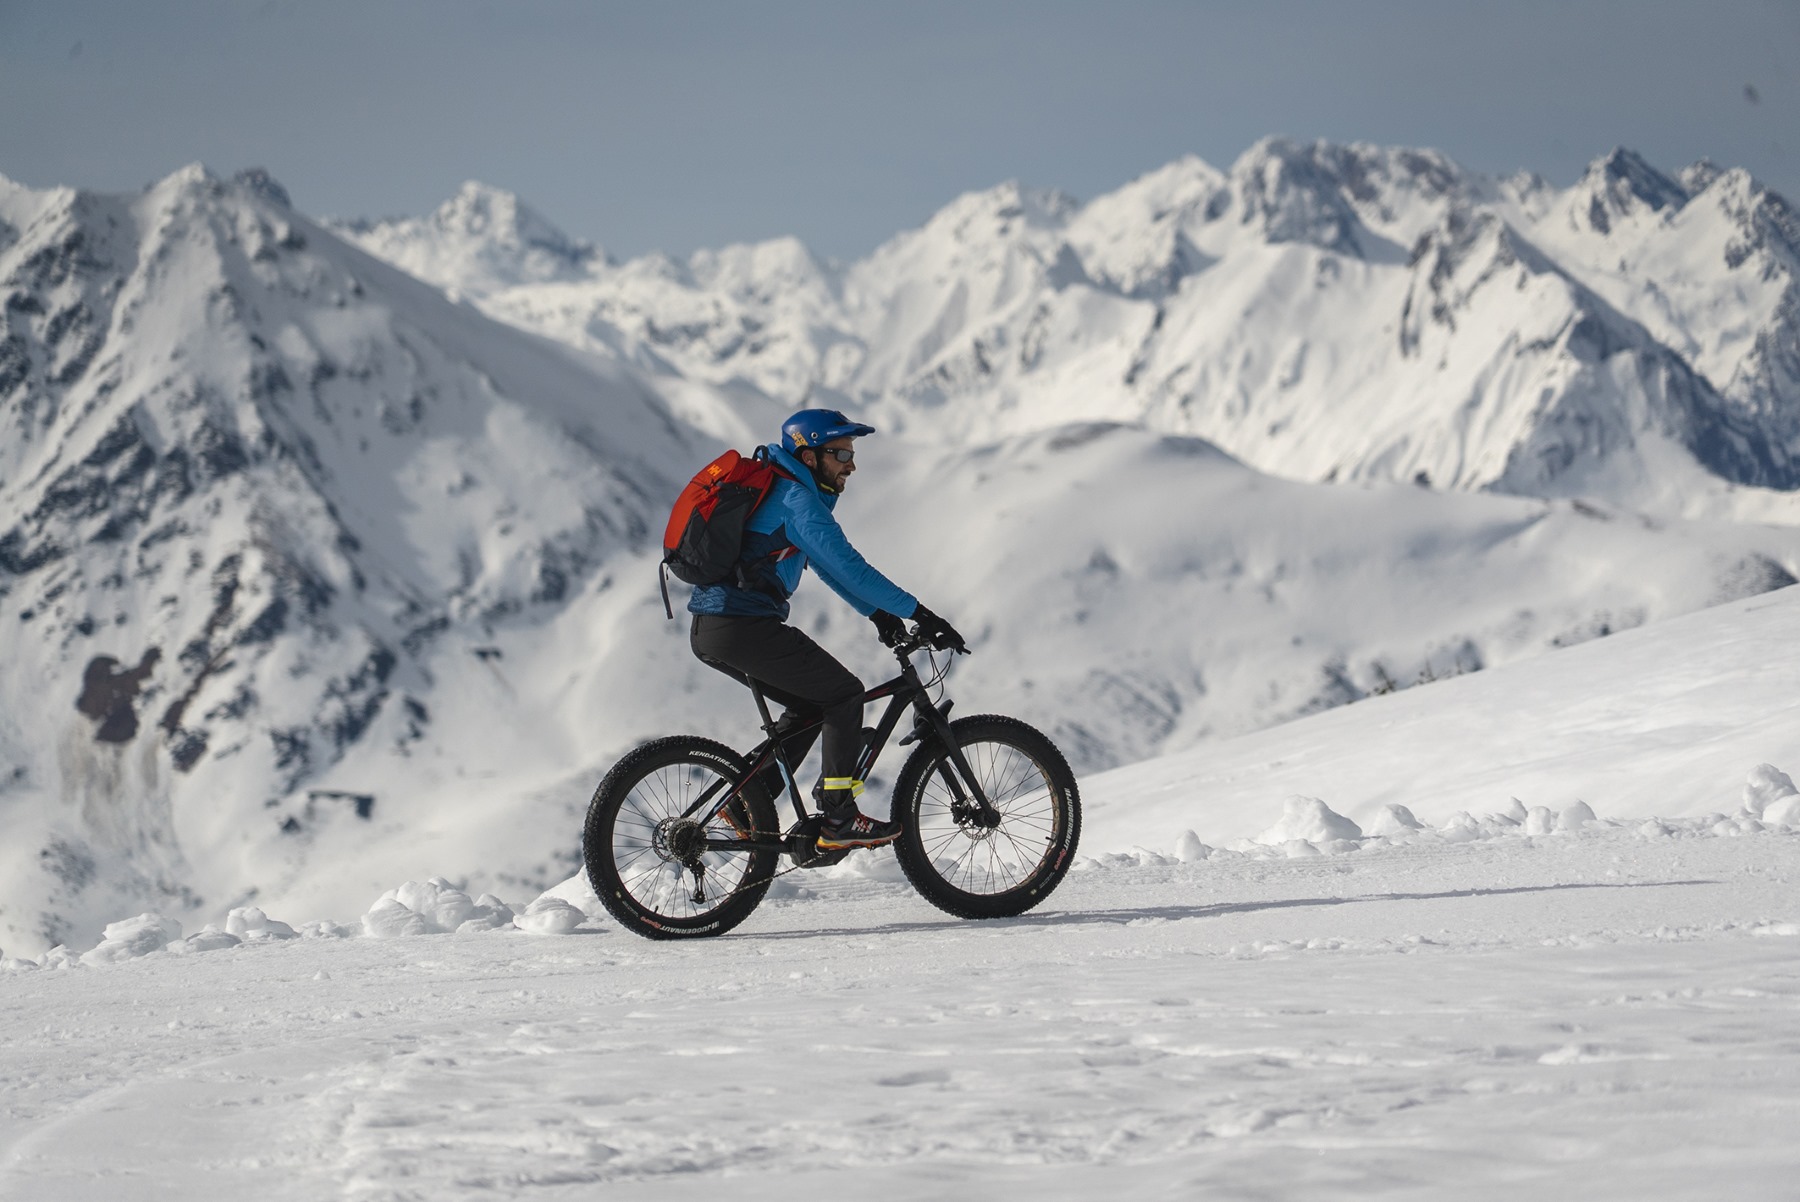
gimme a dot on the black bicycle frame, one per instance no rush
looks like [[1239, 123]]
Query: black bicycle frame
[[903, 691]]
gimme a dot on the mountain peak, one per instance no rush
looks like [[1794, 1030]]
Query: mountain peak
[[481, 240], [1621, 182], [1696, 177], [1295, 196], [258, 181], [1000, 207], [482, 210]]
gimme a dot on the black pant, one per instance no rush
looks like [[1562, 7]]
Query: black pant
[[795, 671]]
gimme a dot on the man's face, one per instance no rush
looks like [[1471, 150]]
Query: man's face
[[833, 472]]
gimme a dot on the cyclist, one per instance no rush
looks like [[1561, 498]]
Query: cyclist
[[740, 626]]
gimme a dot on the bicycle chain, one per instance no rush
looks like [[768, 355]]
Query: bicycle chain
[[768, 880]]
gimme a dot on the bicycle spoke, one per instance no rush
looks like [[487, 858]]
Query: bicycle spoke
[[1003, 847], [659, 883]]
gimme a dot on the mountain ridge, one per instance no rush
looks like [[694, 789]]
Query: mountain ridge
[[1015, 308]]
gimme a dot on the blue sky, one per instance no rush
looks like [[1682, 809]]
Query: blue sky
[[677, 125]]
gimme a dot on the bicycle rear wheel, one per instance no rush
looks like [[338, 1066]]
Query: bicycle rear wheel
[[1003, 866], [645, 858]]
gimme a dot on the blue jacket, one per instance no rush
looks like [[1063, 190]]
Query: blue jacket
[[792, 528]]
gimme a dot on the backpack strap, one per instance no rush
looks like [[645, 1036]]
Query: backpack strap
[[741, 573], [761, 455]]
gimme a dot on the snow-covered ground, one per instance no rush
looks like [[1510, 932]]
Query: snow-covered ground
[[1596, 1015], [1373, 1003]]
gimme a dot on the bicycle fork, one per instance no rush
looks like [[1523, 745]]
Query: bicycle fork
[[934, 720]]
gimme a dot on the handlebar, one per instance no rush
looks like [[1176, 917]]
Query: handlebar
[[916, 641]]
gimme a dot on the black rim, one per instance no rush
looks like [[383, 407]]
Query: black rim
[[980, 857], [657, 854]]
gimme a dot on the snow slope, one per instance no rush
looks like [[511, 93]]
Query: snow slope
[[1598, 1008], [1664, 720]]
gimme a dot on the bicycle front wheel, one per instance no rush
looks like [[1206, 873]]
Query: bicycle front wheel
[[661, 872], [999, 864]]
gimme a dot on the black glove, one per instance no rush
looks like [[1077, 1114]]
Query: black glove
[[891, 629], [937, 632]]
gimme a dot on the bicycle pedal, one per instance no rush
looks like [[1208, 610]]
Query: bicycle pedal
[[803, 845]]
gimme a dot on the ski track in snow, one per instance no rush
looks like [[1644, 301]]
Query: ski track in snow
[[1607, 1013]]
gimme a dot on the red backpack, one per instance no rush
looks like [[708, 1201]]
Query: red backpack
[[705, 535]]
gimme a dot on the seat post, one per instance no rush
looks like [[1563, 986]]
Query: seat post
[[762, 707], [772, 729]]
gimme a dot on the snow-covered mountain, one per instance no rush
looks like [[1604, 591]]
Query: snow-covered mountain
[[482, 240], [1322, 312], [313, 578], [248, 477]]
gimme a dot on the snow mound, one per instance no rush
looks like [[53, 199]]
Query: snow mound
[[578, 892], [1395, 820], [1308, 820], [550, 916], [1785, 812], [1575, 817], [432, 907], [249, 924], [1189, 849], [390, 918], [210, 939], [491, 914], [1769, 794], [130, 938]]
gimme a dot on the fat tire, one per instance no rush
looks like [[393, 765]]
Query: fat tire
[[626, 781], [1033, 761]]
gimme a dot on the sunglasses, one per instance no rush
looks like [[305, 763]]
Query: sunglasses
[[841, 454]]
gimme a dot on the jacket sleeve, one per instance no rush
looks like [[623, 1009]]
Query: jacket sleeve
[[811, 528]]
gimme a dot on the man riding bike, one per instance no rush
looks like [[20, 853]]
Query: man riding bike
[[740, 625]]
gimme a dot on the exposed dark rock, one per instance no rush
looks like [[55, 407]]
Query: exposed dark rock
[[293, 748], [219, 451], [362, 803], [108, 695], [187, 749], [417, 638], [69, 863], [353, 701], [15, 363], [264, 185], [266, 625]]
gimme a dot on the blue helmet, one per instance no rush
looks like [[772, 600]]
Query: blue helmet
[[816, 427]]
